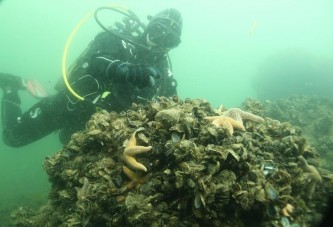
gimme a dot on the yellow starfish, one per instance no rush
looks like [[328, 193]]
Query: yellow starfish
[[287, 210], [226, 122], [131, 150], [233, 118], [136, 178]]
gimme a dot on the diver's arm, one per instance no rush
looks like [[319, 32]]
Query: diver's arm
[[138, 75], [168, 84], [115, 70], [108, 59]]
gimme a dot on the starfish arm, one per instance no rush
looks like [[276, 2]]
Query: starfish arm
[[132, 140], [228, 123], [219, 110], [233, 118], [234, 113], [136, 178], [240, 115], [134, 150], [250, 116], [212, 118], [130, 174], [228, 126], [131, 150], [235, 123], [218, 122], [131, 161]]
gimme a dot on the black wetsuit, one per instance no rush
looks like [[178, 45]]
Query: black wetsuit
[[111, 74]]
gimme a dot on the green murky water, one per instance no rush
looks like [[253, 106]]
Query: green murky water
[[230, 51]]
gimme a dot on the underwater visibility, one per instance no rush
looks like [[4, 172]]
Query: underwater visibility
[[293, 72], [173, 120]]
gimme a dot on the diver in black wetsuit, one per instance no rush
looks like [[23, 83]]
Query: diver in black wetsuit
[[112, 74]]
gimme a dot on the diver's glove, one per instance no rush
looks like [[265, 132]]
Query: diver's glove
[[8, 81], [11, 83], [137, 74]]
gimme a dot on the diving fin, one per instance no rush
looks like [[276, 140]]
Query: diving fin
[[35, 89]]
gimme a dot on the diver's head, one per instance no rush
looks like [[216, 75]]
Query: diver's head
[[164, 30]]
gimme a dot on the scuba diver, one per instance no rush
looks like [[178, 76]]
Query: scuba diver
[[116, 70]]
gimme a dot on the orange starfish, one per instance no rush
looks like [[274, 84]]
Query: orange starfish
[[136, 178], [131, 150], [226, 122], [233, 118]]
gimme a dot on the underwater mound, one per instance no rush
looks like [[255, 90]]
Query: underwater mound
[[165, 164]]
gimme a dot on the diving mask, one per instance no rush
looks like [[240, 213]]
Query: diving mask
[[166, 37]]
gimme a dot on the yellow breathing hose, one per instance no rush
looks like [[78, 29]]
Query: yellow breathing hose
[[64, 56], [68, 43]]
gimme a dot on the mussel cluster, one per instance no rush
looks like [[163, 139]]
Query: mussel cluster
[[314, 114], [197, 174]]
